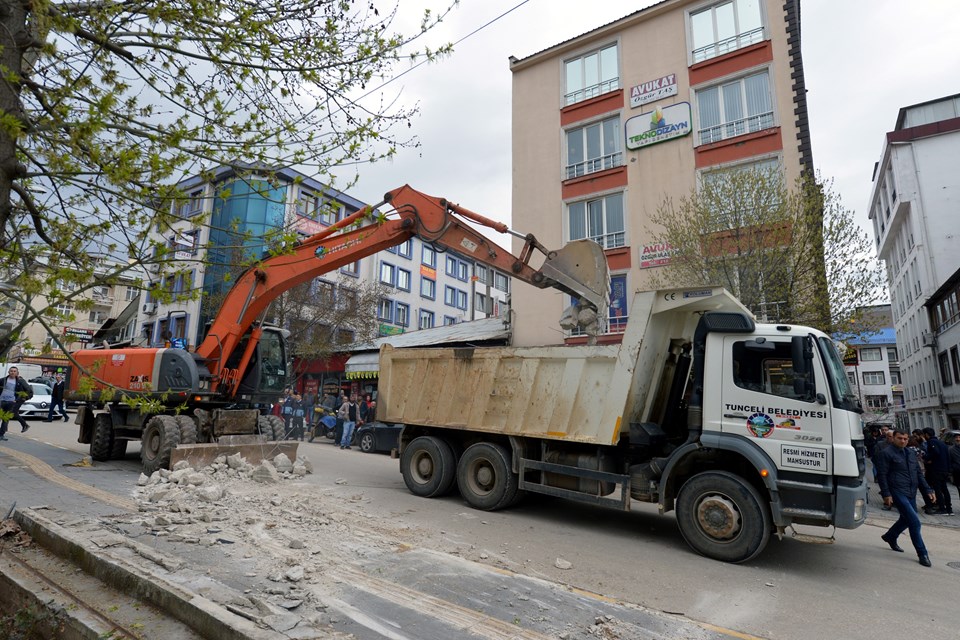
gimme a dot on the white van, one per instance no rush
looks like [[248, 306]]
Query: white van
[[27, 371]]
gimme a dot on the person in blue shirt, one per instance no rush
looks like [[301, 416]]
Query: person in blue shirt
[[899, 476]]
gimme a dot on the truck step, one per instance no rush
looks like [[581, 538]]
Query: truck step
[[811, 538]]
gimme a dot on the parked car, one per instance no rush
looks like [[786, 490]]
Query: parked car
[[376, 437], [39, 404]]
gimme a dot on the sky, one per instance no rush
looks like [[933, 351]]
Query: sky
[[863, 61]]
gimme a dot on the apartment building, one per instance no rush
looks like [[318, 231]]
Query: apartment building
[[913, 210], [873, 367], [609, 123]]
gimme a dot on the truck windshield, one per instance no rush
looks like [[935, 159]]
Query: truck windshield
[[843, 395]]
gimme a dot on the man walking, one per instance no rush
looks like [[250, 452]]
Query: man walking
[[899, 476], [56, 395], [14, 392], [937, 461]]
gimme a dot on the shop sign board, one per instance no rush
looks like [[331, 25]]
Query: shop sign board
[[659, 125]]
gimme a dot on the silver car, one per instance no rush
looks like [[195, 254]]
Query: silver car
[[39, 404]]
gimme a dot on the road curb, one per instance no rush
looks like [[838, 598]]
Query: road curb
[[199, 613]]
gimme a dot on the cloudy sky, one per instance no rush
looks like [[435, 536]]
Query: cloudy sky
[[863, 60]]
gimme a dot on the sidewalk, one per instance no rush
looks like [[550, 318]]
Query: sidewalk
[[875, 504]]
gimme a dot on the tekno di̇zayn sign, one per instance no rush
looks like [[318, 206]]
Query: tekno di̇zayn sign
[[659, 125], [653, 90]]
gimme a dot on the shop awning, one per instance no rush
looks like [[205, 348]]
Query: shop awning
[[363, 365]]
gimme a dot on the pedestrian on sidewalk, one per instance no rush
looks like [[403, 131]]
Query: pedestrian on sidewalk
[[15, 392], [56, 395], [937, 459], [899, 476], [955, 460]]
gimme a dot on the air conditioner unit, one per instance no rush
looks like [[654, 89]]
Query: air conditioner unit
[[150, 308], [929, 340]]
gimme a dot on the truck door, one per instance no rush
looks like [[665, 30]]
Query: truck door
[[761, 402]]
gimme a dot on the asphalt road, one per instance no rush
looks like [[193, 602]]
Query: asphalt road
[[855, 588]]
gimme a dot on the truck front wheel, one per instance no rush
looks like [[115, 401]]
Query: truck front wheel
[[101, 445], [484, 476], [160, 437], [428, 466], [723, 517]]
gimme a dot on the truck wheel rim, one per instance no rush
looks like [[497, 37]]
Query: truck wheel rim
[[482, 477], [423, 467], [718, 517]]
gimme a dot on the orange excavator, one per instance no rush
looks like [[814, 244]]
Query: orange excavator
[[209, 399]]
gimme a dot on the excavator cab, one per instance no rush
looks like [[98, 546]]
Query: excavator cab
[[266, 376]]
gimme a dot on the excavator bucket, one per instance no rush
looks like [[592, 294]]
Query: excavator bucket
[[581, 267]]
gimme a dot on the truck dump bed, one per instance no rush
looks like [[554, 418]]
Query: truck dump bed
[[575, 393]]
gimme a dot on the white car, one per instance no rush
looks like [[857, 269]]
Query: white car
[[39, 405]]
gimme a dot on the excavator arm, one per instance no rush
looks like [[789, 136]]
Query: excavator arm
[[578, 269]]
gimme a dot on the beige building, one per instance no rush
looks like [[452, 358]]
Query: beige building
[[609, 123]]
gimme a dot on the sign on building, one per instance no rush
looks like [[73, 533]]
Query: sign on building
[[655, 255], [653, 90], [659, 125]]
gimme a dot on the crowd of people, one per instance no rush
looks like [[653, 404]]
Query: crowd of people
[[305, 419], [904, 463]]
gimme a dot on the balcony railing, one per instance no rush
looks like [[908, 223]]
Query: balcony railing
[[608, 161], [728, 44], [592, 91], [736, 128]]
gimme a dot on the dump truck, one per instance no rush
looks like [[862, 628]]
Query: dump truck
[[744, 429], [208, 402]]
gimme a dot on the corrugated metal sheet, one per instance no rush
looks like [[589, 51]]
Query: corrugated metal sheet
[[473, 331]]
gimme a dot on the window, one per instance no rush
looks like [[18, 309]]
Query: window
[[406, 249], [876, 403], [461, 299], [428, 288], [352, 269], [426, 319], [480, 272], [894, 377], [429, 257], [735, 108], [767, 371], [944, 359], [600, 220], [65, 285], [725, 27], [871, 355], [385, 310], [501, 282], [403, 279], [480, 303], [308, 204], [892, 355], [97, 317], [448, 320], [591, 74], [874, 377], [955, 362], [130, 294], [455, 298], [401, 314], [192, 205], [330, 212], [64, 309], [594, 147], [463, 271], [451, 266], [388, 274], [852, 378]]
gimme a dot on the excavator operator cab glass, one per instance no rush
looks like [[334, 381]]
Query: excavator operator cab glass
[[273, 362]]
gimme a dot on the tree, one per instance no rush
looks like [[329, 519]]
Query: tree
[[790, 254], [106, 105]]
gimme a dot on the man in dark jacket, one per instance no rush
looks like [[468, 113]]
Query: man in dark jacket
[[14, 391], [937, 461], [955, 460], [899, 476], [56, 399]]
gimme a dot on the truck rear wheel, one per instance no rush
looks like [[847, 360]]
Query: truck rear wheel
[[485, 478], [723, 517], [428, 466], [188, 429], [101, 445], [160, 437]]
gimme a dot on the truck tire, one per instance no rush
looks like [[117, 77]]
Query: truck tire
[[160, 437], [188, 429], [101, 444], [428, 466], [485, 479], [271, 427], [722, 516]]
